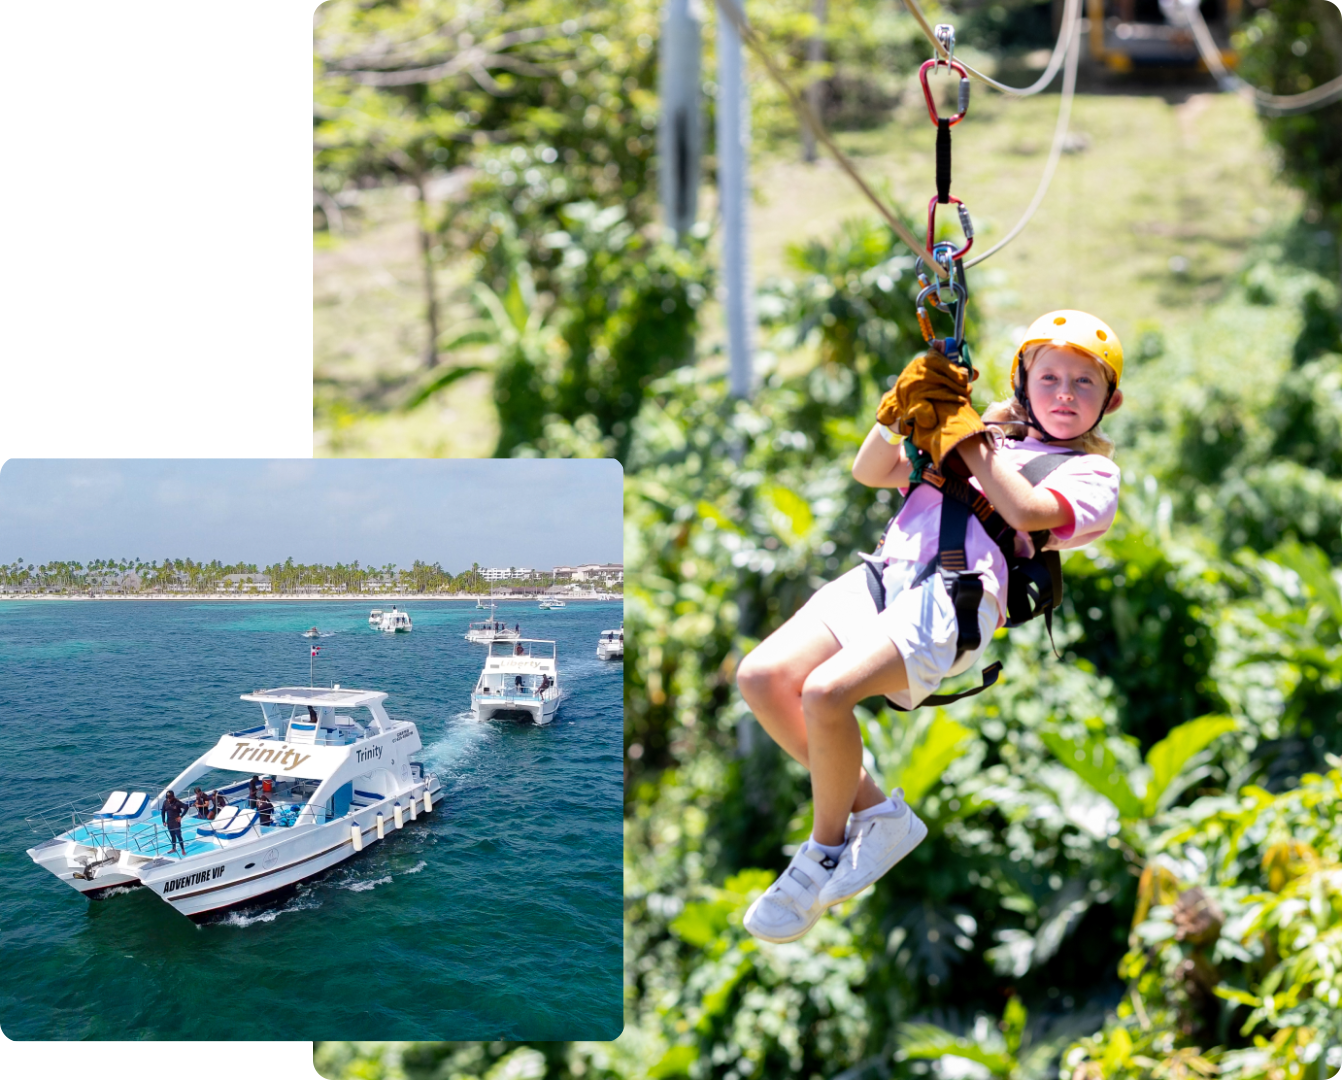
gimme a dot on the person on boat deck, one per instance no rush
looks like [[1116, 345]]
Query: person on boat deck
[[202, 805], [519, 651], [219, 802], [173, 811], [519, 684], [312, 714], [252, 787], [263, 808]]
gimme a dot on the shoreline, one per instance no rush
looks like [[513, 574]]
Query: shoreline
[[264, 598]]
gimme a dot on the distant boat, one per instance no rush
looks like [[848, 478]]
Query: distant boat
[[375, 618], [610, 646], [314, 632], [550, 603], [395, 622], [487, 630]]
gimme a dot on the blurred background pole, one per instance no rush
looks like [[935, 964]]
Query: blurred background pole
[[815, 92], [679, 133], [733, 193]]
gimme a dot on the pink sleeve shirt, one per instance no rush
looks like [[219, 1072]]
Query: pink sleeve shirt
[[1088, 482]]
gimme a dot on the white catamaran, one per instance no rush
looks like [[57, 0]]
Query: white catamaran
[[335, 780], [519, 682]]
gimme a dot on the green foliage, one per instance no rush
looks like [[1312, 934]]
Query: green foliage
[[1290, 47], [1242, 948]]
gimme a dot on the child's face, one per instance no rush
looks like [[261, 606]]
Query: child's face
[[1067, 388]]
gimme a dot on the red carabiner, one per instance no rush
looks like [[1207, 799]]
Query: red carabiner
[[964, 224], [927, 90]]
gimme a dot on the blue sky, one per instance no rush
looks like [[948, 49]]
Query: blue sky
[[498, 512]]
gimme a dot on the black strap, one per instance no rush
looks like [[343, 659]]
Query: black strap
[[990, 674], [943, 161]]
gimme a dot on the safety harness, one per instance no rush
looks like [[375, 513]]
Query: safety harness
[[1034, 584]]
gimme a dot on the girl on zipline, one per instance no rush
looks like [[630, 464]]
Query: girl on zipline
[[803, 681]]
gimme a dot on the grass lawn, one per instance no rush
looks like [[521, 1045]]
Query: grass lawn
[[1146, 223]]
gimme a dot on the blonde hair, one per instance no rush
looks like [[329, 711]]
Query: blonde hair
[[1012, 420]]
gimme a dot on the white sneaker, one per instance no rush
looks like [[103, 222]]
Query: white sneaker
[[875, 844], [791, 905]]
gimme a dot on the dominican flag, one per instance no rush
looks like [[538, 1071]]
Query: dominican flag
[[316, 649]]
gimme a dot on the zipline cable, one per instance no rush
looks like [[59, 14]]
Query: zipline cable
[[1273, 104], [1054, 61], [748, 35], [1072, 32]]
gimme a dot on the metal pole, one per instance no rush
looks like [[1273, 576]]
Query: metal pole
[[733, 131], [679, 131], [815, 92]]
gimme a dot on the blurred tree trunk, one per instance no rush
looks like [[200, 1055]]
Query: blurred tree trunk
[[423, 226], [815, 92]]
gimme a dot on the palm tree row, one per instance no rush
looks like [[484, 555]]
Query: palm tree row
[[185, 575]]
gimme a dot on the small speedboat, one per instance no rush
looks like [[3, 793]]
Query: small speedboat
[[610, 645], [314, 632], [487, 630], [337, 776], [375, 618], [395, 622], [551, 603], [519, 682]]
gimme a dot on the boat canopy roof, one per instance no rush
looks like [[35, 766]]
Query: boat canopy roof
[[317, 695]]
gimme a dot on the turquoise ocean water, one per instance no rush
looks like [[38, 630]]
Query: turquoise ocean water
[[496, 916]]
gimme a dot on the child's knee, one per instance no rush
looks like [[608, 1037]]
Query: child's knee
[[822, 698], [754, 676]]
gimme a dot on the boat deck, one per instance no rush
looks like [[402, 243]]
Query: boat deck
[[150, 838]]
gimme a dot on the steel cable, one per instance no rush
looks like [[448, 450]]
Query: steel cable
[[1273, 104], [1054, 61], [1073, 33]]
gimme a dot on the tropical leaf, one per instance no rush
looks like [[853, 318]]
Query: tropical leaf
[[438, 380], [1169, 756], [789, 512], [1093, 761], [942, 742], [927, 1042]]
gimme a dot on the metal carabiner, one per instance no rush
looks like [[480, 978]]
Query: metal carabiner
[[927, 90], [959, 303], [965, 224]]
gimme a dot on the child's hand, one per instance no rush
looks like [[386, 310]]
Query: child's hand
[[933, 405]]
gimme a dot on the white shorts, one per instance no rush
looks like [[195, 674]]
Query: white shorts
[[919, 622]]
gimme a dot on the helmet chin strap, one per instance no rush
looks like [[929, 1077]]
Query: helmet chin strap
[[1045, 435]]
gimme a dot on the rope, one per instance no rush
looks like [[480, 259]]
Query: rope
[[1054, 61], [732, 12], [1073, 34], [1273, 104]]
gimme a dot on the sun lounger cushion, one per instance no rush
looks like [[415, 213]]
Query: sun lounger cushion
[[134, 805], [242, 820], [114, 803], [220, 824]]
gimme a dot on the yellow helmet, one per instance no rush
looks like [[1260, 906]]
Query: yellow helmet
[[1081, 331]]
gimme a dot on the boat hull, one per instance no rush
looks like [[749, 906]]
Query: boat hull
[[250, 872], [538, 712]]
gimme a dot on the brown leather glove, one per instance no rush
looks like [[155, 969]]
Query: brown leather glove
[[932, 405]]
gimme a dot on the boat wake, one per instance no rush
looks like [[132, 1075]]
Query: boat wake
[[416, 868], [249, 918], [364, 886]]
